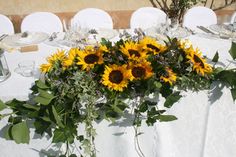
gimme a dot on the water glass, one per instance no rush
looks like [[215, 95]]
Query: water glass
[[26, 68]]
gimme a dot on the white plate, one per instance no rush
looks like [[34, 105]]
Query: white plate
[[106, 33], [16, 40]]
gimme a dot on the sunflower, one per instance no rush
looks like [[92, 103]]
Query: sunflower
[[89, 58], [71, 57], [103, 48], [132, 50], [115, 77], [199, 63], [45, 67], [151, 45], [142, 70], [168, 76], [58, 56]]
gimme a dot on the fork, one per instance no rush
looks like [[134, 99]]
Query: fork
[[3, 36]]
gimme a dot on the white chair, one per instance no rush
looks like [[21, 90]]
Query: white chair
[[92, 18], [147, 17], [199, 16], [6, 26], [233, 18], [42, 22]]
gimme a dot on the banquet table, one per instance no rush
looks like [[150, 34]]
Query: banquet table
[[206, 125]]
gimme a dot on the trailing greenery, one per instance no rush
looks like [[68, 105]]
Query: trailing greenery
[[107, 81]]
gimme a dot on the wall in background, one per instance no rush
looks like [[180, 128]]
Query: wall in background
[[21, 7], [12, 7]]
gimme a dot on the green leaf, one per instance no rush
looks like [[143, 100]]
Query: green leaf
[[44, 97], [143, 107], [72, 155], [41, 84], [166, 118], [57, 117], [29, 106], [227, 76], [171, 99], [7, 133], [20, 133], [41, 126], [233, 92], [216, 57], [59, 136], [232, 50], [2, 105]]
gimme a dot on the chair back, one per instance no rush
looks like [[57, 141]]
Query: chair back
[[146, 17], [42, 22], [92, 18], [199, 16], [6, 26], [233, 18]]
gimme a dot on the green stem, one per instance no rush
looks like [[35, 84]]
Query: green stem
[[136, 128]]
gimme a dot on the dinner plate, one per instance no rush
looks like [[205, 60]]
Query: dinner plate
[[223, 30], [107, 33], [17, 40]]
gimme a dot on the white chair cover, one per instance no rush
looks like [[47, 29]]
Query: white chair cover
[[199, 16], [92, 18], [233, 18], [147, 17], [6, 26], [42, 22]]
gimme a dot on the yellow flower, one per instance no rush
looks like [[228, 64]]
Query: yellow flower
[[45, 67], [59, 55], [168, 76], [103, 48], [115, 77], [132, 50], [142, 70], [89, 58], [199, 63], [71, 57], [151, 45]]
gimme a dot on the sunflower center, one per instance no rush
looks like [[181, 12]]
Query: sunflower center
[[91, 58], [165, 74], [116, 76], [198, 60], [153, 47], [134, 52], [138, 72]]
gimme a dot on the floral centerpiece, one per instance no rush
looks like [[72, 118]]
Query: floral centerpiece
[[85, 85]]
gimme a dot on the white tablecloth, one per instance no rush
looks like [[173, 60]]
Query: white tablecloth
[[205, 127]]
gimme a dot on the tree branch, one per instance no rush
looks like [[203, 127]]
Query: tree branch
[[221, 7], [212, 3], [153, 4]]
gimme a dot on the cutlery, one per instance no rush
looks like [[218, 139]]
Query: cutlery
[[206, 30], [53, 36], [3, 36]]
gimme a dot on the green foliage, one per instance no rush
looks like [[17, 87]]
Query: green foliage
[[232, 50], [20, 132], [2, 105]]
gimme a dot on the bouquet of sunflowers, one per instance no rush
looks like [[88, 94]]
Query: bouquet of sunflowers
[[107, 81]]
